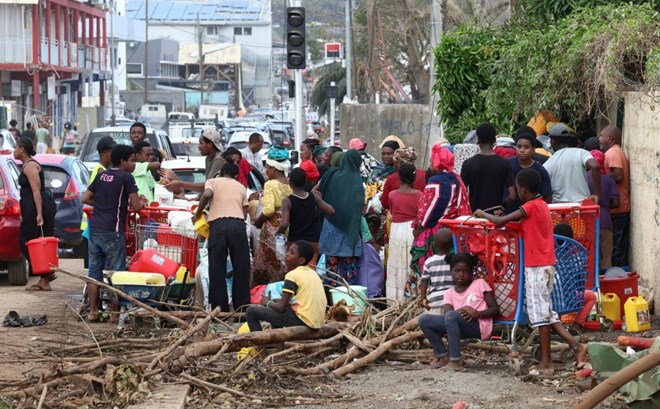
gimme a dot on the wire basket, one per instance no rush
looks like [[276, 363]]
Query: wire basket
[[160, 237], [571, 275]]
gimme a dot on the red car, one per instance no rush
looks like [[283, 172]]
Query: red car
[[11, 258]]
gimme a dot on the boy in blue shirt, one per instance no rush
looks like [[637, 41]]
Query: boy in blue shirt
[[109, 193]]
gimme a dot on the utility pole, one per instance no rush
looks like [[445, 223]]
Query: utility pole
[[201, 61], [435, 129], [113, 58], [146, 52], [349, 51], [332, 112]]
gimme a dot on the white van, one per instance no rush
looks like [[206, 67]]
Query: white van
[[210, 111], [180, 116]]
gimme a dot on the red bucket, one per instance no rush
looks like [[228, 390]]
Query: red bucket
[[43, 253]]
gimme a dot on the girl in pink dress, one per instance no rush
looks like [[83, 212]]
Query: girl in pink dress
[[468, 313]]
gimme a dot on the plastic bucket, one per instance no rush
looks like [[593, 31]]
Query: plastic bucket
[[624, 288], [43, 253], [342, 293]]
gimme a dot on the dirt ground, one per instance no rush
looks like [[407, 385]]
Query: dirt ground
[[486, 384]]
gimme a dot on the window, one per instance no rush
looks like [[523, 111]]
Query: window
[[212, 30], [245, 31], [133, 68]]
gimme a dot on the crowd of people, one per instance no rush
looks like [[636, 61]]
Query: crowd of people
[[43, 140], [354, 220]]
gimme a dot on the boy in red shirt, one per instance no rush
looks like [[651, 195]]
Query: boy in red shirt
[[539, 260]]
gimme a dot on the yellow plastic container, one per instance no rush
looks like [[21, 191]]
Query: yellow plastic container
[[612, 306], [202, 227], [181, 273], [638, 317], [134, 278]]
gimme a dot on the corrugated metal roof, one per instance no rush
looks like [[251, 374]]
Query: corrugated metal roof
[[172, 10]]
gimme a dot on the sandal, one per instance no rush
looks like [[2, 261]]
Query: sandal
[[36, 287]]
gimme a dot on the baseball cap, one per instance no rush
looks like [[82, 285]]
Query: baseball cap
[[357, 144], [105, 143], [560, 129], [213, 136]]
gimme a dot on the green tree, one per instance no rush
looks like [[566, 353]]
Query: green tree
[[327, 74]]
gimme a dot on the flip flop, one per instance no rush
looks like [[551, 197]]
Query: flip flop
[[448, 368], [35, 287]]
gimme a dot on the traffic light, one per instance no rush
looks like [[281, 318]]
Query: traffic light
[[296, 54]]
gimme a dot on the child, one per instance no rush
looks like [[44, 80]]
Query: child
[[308, 309], [436, 277], [104, 148], [608, 199], [142, 173], [109, 193], [539, 256], [299, 212], [469, 310]]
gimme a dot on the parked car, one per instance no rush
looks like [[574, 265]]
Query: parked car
[[7, 142], [11, 257], [67, 178], [192, 170], [240, 139], [88, 154]]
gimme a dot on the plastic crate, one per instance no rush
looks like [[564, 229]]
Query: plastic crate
[[499, 250], [585, 222]]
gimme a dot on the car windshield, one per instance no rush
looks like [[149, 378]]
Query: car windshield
[[121, 137], [243, 144], [186, 149], [188, 133]]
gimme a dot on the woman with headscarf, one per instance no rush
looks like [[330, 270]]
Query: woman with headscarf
[[319, 157], [445, 197], [392, 183], [387, 167], [340, 240], [267, 266]]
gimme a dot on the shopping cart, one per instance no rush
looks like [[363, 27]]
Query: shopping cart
[[500, 254], [499, 251]]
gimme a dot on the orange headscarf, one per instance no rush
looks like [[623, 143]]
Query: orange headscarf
[[442, 159], [311, 171]]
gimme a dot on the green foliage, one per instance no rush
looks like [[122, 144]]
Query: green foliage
[[328, 73], [505, 75], [551, 11]]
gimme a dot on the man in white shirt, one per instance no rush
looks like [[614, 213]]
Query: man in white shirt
[[568, 169], [251, 152]]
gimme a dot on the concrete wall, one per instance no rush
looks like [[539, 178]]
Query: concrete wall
[[640, 143], [373, 123]]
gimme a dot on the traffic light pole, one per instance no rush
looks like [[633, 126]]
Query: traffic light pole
[[300, 125]]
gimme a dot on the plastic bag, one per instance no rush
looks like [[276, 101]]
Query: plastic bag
[[202, 272], [280, 247]]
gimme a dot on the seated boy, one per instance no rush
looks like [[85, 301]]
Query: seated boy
[[436, 277], [308, 309]]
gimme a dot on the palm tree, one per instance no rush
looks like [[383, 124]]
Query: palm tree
[[328, 73]]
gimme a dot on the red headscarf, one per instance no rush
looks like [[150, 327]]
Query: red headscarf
[[442, 159], [311, 171], [600, 158]]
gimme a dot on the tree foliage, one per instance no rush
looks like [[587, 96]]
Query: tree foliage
[[505, 74], [551, 11], [329, 73]]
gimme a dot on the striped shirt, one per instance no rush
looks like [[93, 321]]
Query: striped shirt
[[438, 273]]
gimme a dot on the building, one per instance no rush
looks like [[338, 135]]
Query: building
[[53, 57], [244, 22], [123, 34]]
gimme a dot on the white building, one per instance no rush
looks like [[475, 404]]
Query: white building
[[244, 22]]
